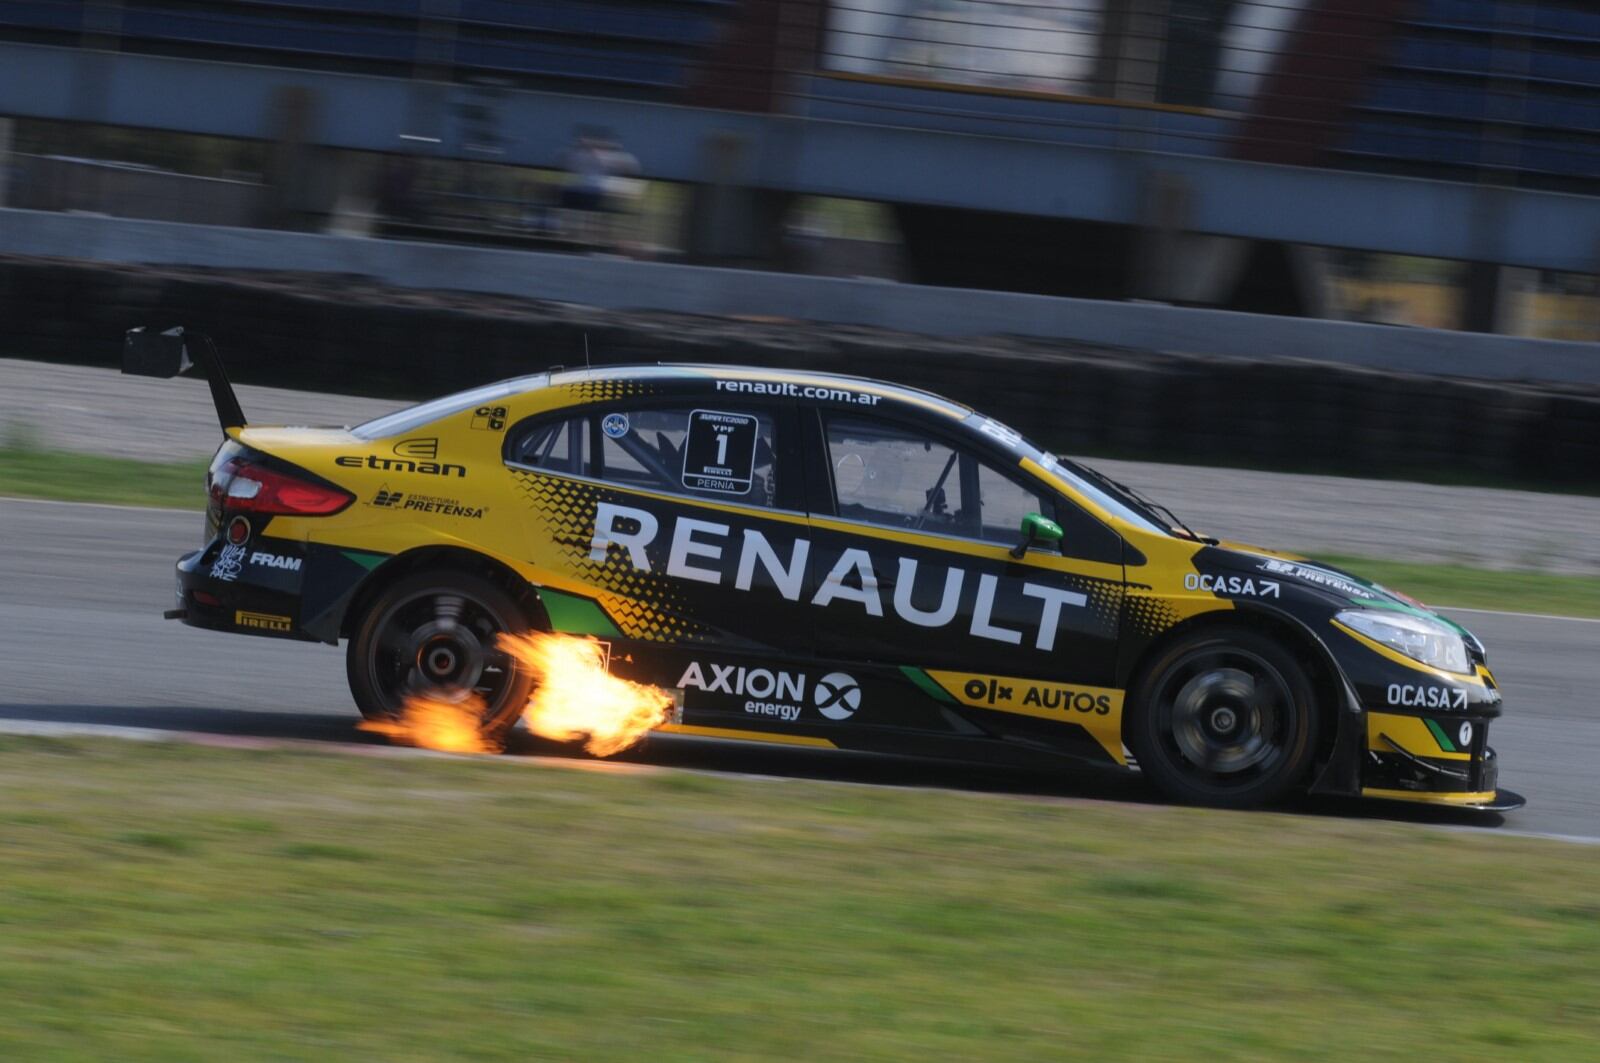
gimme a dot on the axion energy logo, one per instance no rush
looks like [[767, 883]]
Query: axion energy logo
[[837, 696], [776, 692]]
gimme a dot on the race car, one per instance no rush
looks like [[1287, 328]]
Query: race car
[[821, 560]]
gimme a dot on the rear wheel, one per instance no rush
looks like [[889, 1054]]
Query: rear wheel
[[1225, 717], [433, 634]]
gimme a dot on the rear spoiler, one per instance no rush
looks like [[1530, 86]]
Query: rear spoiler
[[166, 354]]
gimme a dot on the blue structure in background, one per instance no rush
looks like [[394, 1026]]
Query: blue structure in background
[[584, 44], [1489, 108], [1507, 87]]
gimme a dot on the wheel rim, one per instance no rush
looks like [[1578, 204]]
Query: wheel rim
[[440, 644], [1226, 718]]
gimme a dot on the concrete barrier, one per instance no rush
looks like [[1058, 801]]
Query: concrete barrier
[[617, 284], [332, 332]]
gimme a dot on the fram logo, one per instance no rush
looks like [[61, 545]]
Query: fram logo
[[424, 449]]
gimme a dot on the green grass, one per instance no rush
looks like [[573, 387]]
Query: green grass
[[167, 902], [30, 472], [1480, 588], [33, 473]]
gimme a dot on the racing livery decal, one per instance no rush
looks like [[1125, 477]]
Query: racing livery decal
[[828, 562]]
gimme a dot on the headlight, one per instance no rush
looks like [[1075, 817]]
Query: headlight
[[1429, 641]]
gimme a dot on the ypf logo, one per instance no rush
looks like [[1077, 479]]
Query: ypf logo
[[837, 696], [426, 449]]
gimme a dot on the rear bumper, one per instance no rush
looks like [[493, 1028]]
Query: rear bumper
[[216, 594]]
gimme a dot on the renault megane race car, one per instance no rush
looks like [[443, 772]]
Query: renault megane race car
[[826, 561]]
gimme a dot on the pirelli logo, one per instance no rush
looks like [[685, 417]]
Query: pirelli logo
[[263, 621]]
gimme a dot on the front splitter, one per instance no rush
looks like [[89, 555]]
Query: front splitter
[[1493, 801]]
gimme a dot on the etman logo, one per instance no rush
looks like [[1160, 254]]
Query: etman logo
[[425, 449]]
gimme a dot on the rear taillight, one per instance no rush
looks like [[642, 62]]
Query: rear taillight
[[241, 486]]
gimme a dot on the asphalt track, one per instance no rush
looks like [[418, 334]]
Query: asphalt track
[[82, 588]]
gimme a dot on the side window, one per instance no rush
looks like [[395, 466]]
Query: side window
[[554, 446], [728, 454], [896, 476], [1003, 503]]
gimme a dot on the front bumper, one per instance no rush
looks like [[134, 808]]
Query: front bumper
[[1437, 760]]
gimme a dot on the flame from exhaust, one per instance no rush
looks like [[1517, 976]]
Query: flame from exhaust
[[433, 723], [577, 698]]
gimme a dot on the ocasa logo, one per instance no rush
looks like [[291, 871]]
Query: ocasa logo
[[1427, 697]]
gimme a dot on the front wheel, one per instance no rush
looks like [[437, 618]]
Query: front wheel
[[433, 634], [1226, 717]]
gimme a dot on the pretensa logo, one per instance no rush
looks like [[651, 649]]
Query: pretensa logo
[[426, 449], [386, 497], [837, 696], [615, 425], [263, 621]]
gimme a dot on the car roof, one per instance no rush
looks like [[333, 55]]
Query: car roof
[[798, 378]]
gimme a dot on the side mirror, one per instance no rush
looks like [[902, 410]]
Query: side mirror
[[1037, 530], [162, 354]]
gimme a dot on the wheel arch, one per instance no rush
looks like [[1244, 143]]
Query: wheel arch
[[1339, 735], [457, 558]]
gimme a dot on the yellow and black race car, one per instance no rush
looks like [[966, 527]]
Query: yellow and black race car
[[826, 561]]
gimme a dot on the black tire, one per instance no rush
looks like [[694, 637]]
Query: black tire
[[1225, 717], [434, 632]]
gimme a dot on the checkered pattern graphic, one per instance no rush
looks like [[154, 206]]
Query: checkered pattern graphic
[[1105, 602], [643, 605], [1149, 615], [584, 391]]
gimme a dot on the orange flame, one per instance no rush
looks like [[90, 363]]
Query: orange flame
[[575, 697], [448, 726]]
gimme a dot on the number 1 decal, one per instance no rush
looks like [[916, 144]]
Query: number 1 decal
[[720, 452]]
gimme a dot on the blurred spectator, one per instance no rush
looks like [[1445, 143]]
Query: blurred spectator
[[622, 191], [585, 162], [601, 189], [397, 188]]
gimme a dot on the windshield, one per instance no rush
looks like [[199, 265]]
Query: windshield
[[413, 417], [1108, 494], [1116, 499]]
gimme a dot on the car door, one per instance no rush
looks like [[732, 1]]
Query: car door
[[682, 523], [912, 566]]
